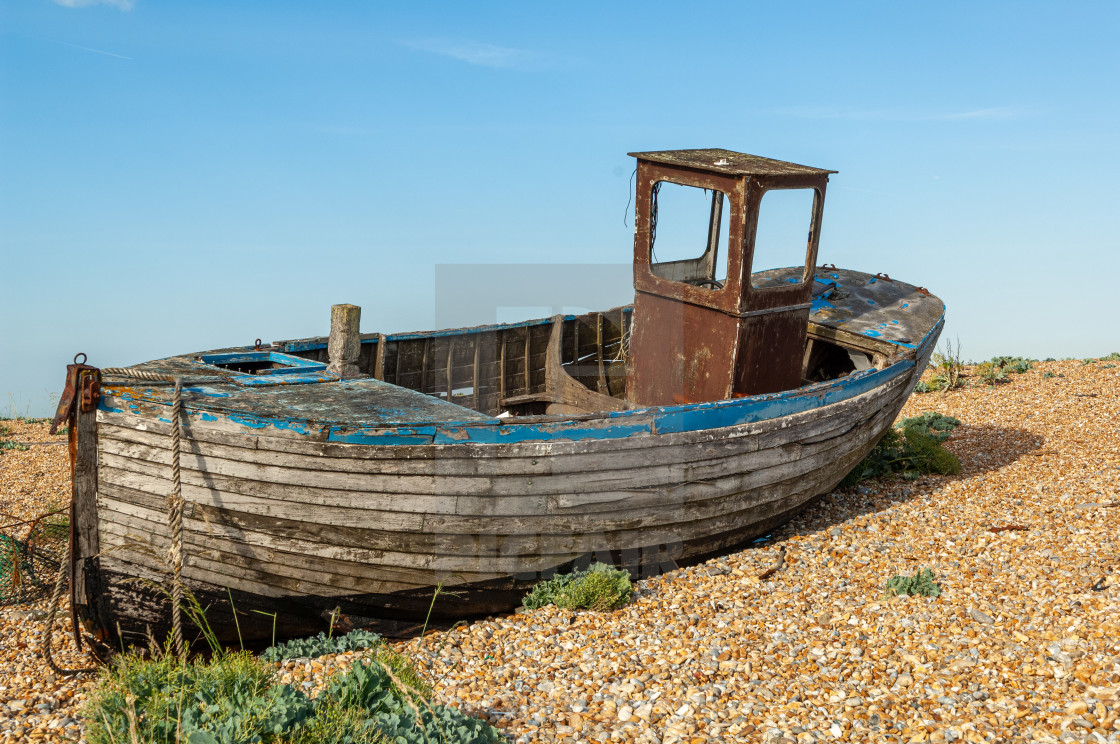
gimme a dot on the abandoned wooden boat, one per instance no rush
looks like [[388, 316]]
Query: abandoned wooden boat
[[355, 474]]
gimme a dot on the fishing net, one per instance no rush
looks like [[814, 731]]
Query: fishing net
[[30, 554]]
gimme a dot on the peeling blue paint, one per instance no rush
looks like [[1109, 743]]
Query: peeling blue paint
[[286, 379], [300, 427], [511, 433], [251, 421], [209, 392], [208, 417]]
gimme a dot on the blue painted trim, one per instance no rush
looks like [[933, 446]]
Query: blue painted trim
[[622, 424], [314, 345]]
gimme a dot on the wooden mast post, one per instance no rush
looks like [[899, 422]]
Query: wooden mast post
[[344, 343]]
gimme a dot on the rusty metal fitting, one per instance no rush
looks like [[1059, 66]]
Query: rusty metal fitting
[[91, 392]]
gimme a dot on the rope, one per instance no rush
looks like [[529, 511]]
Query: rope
[[174, 500], [58, 583], [139, 374], [175, 520]]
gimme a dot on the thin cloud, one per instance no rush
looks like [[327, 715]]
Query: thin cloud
[[999, 112], [472, 52], [984, 114], [121, 4], [84, 48]]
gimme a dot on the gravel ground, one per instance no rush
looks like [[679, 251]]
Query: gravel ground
[[1023, 643]]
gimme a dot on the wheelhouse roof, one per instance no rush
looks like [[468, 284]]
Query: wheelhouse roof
[[728, 161]]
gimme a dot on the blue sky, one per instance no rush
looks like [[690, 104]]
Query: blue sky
[[183, 176]]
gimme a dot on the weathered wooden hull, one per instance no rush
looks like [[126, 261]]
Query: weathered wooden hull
[[292, 524]]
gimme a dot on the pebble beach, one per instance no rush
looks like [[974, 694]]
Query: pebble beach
[[1023, 643]]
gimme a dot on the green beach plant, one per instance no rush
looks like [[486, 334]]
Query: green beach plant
[[990, 373], [235, 697], [922, 584], [9, 444], [1013, 365], [321, 645], [911, 448], [947, 367], [600, 587]]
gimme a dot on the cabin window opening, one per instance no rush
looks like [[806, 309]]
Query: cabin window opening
[[687, 224], [261, 363], [783, 236]]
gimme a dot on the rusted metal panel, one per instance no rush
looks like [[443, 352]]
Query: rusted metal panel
[[767, 345], [677, 344]]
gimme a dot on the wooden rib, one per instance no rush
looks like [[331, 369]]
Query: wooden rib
[[602, 383], [528, 362], [424, 366], [397, 348], [475, 381], [502, 367], [379, 360]]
